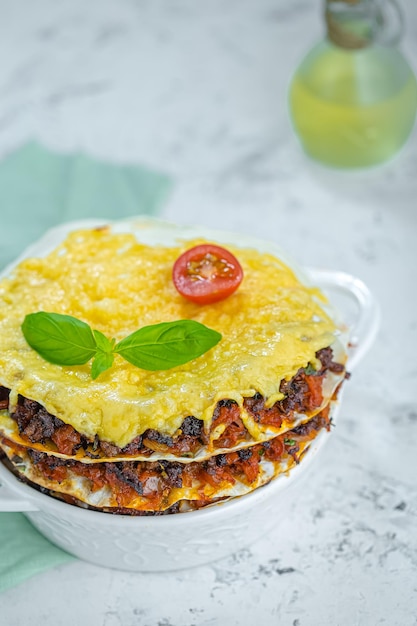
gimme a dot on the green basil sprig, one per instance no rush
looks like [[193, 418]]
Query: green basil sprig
[[66, 340]]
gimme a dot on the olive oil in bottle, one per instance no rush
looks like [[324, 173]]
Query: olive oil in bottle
[[353, 101]]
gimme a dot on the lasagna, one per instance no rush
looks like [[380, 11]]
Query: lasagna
[[141, 442]]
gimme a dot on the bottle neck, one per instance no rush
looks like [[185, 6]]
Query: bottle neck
[[350, 23]]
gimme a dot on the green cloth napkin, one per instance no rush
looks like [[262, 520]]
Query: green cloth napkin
[[38, 190], [23, 551]]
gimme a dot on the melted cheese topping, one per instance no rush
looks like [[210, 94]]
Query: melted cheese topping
[[271, 326]]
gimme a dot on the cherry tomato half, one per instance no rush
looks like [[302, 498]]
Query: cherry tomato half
[[206, 274]]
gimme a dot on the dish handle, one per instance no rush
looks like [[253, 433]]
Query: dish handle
[[365, 325], [12, 503]]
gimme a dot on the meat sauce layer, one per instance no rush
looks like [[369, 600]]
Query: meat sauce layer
[[155, 480], [303, 394]]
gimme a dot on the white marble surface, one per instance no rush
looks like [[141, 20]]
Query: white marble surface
[[198, 89]]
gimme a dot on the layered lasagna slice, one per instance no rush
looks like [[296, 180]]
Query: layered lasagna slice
[[135, 441]]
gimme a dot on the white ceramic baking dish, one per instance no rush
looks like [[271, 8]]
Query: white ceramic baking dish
[[194, 538]]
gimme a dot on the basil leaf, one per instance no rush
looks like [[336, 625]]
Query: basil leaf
[[103, 344], [59, 339], [166, 345], [102, 362], [65, 340], [104, 358]]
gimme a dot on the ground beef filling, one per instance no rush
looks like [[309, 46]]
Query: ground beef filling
[[155, 480], [303, 394], [4, 398]]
